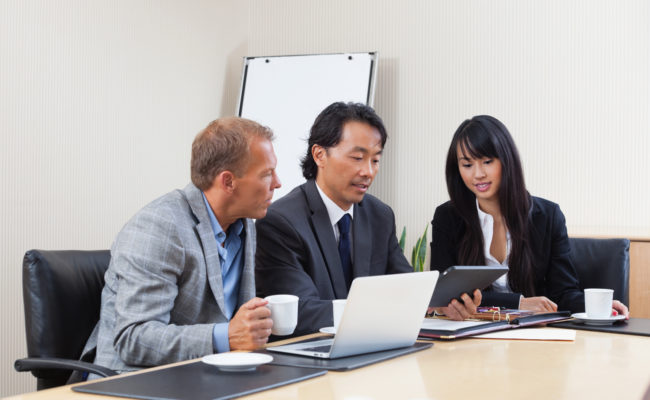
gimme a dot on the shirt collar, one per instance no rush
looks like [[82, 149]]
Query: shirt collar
[[235, 228], [483, 218], [333, 210]]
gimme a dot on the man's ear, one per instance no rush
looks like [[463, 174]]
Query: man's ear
[[226, 181], [319, 153]]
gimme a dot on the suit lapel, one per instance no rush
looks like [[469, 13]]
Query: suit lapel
[[247, 283], [536, 222], [324, 233], [209, 244], [361, 240]]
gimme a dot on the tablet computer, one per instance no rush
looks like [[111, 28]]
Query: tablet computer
[[456, 280]]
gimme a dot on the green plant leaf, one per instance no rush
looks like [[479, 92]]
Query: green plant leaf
[[423, 248], [414, 256], [419, 252], [402, 239]]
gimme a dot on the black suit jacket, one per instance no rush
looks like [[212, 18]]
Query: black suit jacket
[[297, 253], [555, 276]]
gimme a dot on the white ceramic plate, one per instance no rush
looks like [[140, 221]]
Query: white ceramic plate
[[597, 321], [236, 362], [328, 329]]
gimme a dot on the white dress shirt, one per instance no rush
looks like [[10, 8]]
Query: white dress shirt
[[336, 213], [487, 226]]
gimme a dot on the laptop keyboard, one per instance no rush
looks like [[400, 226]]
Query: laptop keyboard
[[319, 349]]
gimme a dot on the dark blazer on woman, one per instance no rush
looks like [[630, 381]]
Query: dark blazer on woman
[[555, 276]]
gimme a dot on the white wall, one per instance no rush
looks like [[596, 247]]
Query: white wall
[[569, 78], [100, 100], [99, 104]]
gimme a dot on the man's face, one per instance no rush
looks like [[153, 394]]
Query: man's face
[[346, 171], [253, 191]]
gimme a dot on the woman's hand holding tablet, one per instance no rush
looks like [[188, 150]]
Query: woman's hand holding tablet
[[459, 311], [451, 295]]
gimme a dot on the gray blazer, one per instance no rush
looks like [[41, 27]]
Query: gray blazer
[[163, 291]]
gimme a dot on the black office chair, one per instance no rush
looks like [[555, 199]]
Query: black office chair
[[62, 295], [603, 263]]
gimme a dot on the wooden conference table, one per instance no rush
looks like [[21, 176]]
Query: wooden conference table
[[595, 366]]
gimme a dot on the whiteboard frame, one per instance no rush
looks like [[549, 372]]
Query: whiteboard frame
[[291, 135], [371, 84]]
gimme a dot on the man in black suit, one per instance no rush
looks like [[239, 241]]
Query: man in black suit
[[302, 248]]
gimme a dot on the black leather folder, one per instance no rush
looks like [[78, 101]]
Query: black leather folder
[[633, 326], [343, 363], [486, 327], [199, 381]]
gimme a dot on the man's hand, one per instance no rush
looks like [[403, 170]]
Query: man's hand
[[540, 303], [459, 311], [251, 326]]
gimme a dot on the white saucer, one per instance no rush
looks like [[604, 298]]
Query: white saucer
[[597, 321], [328, 329], [236, 362]]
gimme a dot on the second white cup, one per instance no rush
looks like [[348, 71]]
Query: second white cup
[[284, 313], [598, 303], [338, 306]]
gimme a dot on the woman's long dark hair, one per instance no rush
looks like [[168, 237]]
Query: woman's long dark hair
[[485, 136]]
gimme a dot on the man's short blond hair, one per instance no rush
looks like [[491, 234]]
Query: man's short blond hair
[[224, 146]]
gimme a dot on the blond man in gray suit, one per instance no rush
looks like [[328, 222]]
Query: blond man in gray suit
[[181, 279]]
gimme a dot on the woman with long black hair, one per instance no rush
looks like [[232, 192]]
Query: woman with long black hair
[[491, 219]]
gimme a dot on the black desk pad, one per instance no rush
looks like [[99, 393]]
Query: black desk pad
[[633, 326], [344, 363], [199, 381]]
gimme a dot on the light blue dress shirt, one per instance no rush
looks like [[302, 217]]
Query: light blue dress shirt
[[232, 262]]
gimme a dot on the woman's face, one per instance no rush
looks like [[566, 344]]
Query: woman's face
[[481, 175]]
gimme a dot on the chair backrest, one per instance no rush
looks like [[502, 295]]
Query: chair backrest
[[62, 297], [603, 263]]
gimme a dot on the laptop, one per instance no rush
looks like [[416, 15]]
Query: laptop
[[382, 312]]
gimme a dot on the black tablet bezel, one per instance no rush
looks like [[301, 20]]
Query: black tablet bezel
[[459, 279]]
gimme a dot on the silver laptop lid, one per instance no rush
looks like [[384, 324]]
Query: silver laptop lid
[[383, 312]]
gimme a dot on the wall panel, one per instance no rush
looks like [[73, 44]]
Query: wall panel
[[100, 102], [569, 79]]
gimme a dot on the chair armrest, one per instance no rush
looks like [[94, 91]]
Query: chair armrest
[[29, 364]]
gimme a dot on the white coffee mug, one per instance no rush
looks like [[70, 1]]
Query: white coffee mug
[[284, 313], [338, 306], [598, 303]]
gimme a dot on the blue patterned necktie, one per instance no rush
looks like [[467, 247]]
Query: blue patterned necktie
[[344, 248]]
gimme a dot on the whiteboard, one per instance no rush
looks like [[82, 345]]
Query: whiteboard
[[286, 93]]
